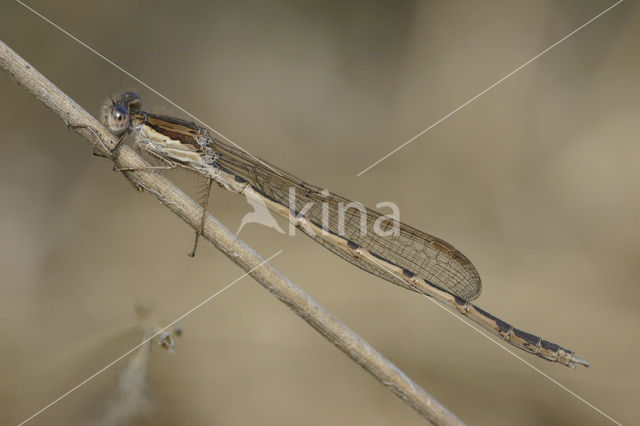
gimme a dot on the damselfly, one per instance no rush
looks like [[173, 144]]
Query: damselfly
[[392, 250]]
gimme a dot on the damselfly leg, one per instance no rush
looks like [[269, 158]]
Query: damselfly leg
[[200, 229]]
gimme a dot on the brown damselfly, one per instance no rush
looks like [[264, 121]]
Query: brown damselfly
[[385, 247]]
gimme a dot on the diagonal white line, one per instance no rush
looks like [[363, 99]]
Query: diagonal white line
[[101, 56], [489, 88], [64, 395], [473, 327]]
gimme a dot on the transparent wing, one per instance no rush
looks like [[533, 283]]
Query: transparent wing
[[416, 252]]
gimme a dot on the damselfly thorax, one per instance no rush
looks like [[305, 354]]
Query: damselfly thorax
[[396, 252], [174, 140]]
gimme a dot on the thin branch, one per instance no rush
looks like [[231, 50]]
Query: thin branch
[[223, 239]]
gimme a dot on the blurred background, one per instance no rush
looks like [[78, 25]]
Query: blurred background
[[536, 182]]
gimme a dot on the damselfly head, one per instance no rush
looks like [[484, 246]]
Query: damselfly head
[[115, 113]]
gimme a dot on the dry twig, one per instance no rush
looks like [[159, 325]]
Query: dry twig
[[223, 239]]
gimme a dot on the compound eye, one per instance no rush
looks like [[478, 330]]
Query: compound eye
[[133, 100], [118, 119]]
